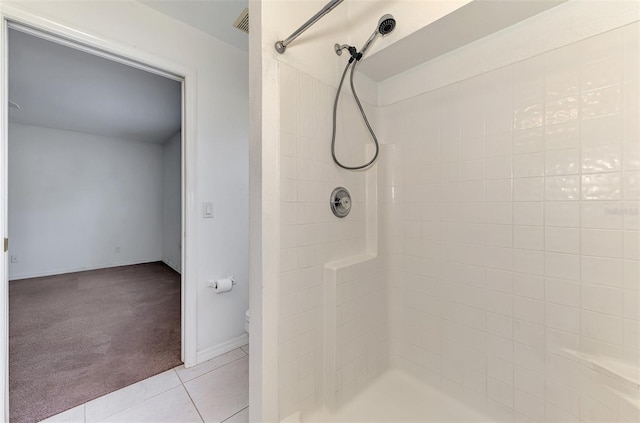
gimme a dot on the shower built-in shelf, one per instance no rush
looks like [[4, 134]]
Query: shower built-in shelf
[[471, 22]]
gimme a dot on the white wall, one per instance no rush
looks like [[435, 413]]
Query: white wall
[[310, 52], [566, 23], [308, 237], [219, 130], [172, 202], [513, 250], [459, 245], [80, 201], [297, 233]]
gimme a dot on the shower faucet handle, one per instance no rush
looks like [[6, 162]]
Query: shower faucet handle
[[340, 202], [345, 202]]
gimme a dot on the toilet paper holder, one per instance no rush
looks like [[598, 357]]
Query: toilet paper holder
[[214, 283]]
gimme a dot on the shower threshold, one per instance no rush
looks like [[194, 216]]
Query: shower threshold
[[398, 397]]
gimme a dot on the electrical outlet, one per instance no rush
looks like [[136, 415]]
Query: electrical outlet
[[14, 259], [117, 249]]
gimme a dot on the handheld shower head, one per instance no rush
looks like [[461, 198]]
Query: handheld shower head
[[386, 25]]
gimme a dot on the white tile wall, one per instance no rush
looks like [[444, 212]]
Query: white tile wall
[[310, 235], [509, 228]]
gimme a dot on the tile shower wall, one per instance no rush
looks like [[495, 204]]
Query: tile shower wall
[[311, 235], [509, 225]]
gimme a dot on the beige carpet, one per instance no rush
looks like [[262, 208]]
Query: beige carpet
[[78, 336]]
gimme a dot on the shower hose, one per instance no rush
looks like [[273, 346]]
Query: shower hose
[[352, 63]]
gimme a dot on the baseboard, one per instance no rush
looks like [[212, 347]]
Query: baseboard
[[225, 347], [82, 269], [171, 265]]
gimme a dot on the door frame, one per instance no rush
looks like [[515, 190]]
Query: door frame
[[123, 53]]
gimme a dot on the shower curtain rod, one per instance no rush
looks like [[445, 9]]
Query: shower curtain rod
[[281, 46]]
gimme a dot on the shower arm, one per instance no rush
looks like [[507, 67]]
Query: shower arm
[[281, 46]]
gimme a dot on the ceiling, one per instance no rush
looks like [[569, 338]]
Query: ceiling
[[215, 17], [63, 88]]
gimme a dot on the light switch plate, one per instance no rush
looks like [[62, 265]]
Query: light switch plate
[[207, 210]]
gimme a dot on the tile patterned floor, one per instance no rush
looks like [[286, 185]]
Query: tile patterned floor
[[214, 391]]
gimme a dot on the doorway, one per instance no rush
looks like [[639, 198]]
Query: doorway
[[186, 324]]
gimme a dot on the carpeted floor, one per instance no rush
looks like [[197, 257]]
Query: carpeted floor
[[78, 336]]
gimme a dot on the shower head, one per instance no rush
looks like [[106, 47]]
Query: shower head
[[386, 25]]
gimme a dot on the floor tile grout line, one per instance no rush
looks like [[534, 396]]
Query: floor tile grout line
[[215, 368], [226, 364], [193, 402], [235, 414], [245, 351], [133, 405], [182, 383]]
